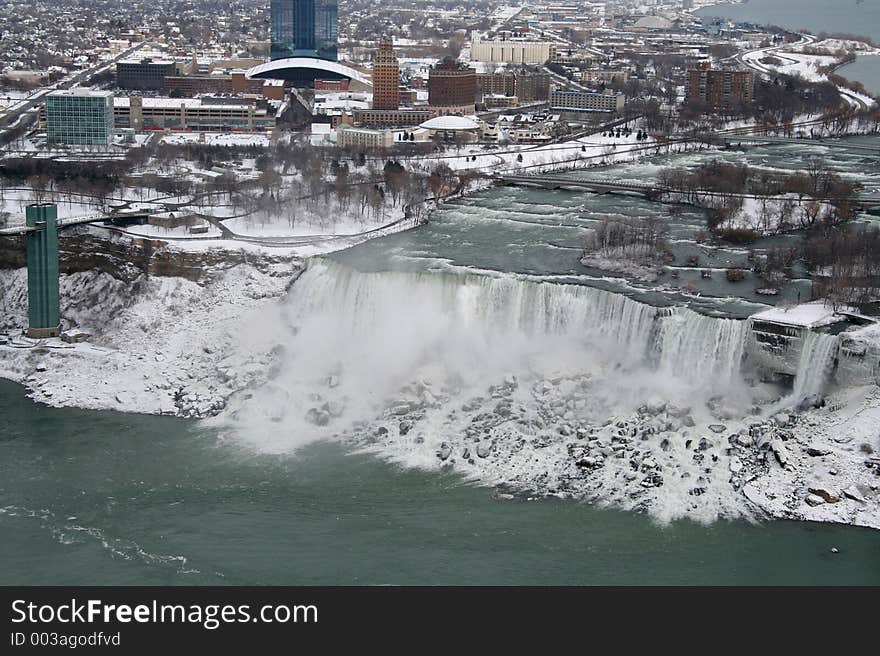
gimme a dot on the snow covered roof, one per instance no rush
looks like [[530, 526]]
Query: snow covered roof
[[654, 23], [806, 315], [450, 123], [177, 103], [80, 92]]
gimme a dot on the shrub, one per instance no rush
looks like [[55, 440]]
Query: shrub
[[738, 235]]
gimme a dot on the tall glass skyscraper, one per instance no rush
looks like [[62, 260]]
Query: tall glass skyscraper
[[304, 28]]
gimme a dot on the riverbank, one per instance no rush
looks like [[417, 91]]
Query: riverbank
[[157, 345]]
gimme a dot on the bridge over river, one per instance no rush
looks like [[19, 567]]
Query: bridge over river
[[825, 142], [598, 185]]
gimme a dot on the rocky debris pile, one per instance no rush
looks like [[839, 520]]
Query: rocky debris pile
[[553, 436], [561, 436], [808, 473]]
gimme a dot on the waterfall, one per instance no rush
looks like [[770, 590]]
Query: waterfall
[[371, 307], [350, 343], [701, 347], [818, 353]]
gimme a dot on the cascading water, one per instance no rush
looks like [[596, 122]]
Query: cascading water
[[372, 333], [818, 353], [701, 347]]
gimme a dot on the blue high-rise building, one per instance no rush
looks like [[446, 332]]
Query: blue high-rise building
[[304, 28]]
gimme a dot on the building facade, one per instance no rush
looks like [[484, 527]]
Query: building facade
[[496, 84], [595, 75], [201, 114], [587, 101], [452, 87], [304, 28], [532, 86], [387, 118], [386, 77], [511, 50], [79, 117], [527, 85], [185, 86], [144, 74], [719, 89], [348, 137], [332, 85]]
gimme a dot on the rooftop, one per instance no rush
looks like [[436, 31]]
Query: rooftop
[[450, 123], [805, 315], [176, 103], [80, 93]]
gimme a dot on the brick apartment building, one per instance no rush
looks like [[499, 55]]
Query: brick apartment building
[[719, 89], [452, 87]]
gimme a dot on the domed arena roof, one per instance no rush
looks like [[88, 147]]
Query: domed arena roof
[[306, 68], [450, 123]]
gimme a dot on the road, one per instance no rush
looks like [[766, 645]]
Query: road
[[12, 115], [744, 59]]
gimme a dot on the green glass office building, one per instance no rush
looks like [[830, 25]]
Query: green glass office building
[[304, 28], [79, 117]]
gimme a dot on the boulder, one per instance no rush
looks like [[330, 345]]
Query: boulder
[[484, 449], [782, 420], [780, 451], [444, 451], [814, 500], [854, 493], [717, 428], [317, 417], [655, 407], [826, 492]]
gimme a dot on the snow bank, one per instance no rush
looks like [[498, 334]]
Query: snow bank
[[159, 346]]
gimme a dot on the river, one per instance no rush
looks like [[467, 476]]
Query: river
[[114, 499], [848, 17], [491, 286]]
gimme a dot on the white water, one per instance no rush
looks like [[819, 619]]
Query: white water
[[355, 339], [814, 366]]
